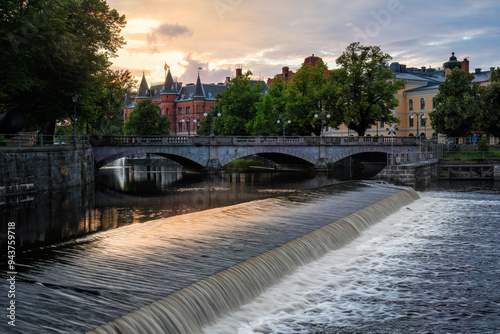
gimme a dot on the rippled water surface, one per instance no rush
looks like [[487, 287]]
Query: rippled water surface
[[79, 284], [433, 267]]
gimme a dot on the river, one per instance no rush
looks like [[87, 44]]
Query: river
[[88, 257]]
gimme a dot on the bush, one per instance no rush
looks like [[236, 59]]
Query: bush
[[243, 164], [4, 141], [483, 145]]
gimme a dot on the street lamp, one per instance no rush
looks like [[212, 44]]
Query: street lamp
[[188, 123], [75, 99], [212, 114], [322, 116], [392, 132], [284, 119], [420, 115]]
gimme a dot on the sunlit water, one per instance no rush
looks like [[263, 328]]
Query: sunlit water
[[80, 284]]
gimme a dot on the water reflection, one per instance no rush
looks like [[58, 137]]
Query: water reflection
[[129, 194]]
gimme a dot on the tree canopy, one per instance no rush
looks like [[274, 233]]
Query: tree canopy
[[145, 119], [237, 107], [368, 87], [458, 105], [52, 50]]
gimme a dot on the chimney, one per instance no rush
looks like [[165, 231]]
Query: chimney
[[239, 71], [465, 65], [477, 70], [423, 69]]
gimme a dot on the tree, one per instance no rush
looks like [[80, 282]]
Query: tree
[[368, 87], [52, 49], [145, 119], [490, 118], [458, 105], [313, 89], [237, 107], [271, 106]]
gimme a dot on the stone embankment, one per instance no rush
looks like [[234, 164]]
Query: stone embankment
[[35, 169]]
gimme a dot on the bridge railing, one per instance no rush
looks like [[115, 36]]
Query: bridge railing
[[247, 140]]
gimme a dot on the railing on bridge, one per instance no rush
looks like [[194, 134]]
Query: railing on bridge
[[197, 140]]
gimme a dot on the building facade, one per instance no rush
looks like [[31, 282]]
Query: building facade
[[184, 105], [417, 99]]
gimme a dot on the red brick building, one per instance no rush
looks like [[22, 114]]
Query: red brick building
[[184, 105]]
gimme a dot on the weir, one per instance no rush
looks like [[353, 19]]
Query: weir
[[201, 303]]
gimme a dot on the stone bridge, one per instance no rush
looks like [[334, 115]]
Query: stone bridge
[[213, 153]]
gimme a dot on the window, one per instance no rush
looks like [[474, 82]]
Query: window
[[422, 104], [422, 121], [179, 127], [188, 110], [381, 125], [179, 110], [188, 125], [410, 104], [167, 111], [433, 103], [197, 109], [410, 119]]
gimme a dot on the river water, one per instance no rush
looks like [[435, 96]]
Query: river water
[[433, 267]]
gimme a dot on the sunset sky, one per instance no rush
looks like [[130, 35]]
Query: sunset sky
[[263, 36]]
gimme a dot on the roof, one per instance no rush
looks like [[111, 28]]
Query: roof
[[143, 88], [207, 91]]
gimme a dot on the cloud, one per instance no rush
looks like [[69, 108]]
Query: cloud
[[166, 31], [207, 75]]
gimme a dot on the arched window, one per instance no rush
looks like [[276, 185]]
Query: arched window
[[410, 122], [197, 109], [422, 104], [179, 126], [410, 104]]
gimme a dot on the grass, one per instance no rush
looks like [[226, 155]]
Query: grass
[[473, 155], [243, 164]]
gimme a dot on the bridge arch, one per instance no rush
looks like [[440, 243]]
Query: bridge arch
[[294, 155], [104, 155]]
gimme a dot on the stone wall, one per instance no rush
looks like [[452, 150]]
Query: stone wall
[[414, 175], [44, 169]]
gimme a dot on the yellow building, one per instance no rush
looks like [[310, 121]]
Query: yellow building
[[417, 99]]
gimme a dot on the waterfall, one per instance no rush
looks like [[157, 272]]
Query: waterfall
[[200, 304]]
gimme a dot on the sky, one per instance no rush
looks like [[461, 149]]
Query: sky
[[263, 35]]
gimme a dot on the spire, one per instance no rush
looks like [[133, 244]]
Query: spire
[[169, 85], [199, 92], [128, 99], [143, 91]]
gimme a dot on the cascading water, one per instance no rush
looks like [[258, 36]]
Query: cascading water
[[201, 303]]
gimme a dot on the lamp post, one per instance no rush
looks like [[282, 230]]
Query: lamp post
[[392, 132], [420, 115], [75, 99], [188, 123], [284, 119], [212, 114], [322, 116]]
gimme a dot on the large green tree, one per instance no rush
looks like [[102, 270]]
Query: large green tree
[[311, 92], [368, 87], [237, 107], [270, 109], [490, 95], [458, 105], [145, 120], [51, 49]]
